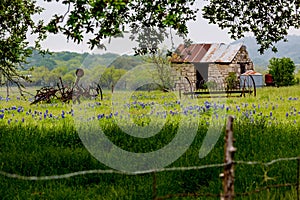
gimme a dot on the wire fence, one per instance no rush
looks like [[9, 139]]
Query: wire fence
[[228, 175], [99, 171], [155, 171]]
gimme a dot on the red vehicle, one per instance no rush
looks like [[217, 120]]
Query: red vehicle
[[269, 80]]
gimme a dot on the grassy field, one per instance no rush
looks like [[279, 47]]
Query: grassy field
[[43, 139]]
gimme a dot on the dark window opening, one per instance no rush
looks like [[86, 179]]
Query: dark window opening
[[200, 80], [243, 68]]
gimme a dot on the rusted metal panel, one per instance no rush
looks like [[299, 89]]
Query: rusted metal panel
[[206, 53], [228, 52], [194, 53]]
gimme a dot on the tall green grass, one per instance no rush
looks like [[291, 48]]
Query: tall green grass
[[52, 146]]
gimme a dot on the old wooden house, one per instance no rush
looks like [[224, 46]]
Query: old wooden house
[[198, 64]]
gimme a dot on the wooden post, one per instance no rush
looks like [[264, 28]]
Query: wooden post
[[298, 179], [228, 175], [7, 88], [154, 189]]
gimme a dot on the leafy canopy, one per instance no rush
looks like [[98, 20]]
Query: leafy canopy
[[15, 22], [146, 19], [268, 20]]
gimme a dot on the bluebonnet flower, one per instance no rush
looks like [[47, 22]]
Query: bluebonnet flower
[[1, 116], [287, 114], [207, 104], [271, 114], [8, 121], [23, 120], [14, 108], [20, 109]]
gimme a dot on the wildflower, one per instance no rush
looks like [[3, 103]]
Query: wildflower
[[271, 114], [23, 120], [1, 116], [20, 109], [207, 104], [8, 121], [287, 114], [14, 108]]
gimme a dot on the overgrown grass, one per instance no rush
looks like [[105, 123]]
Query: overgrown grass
[[42, 146]]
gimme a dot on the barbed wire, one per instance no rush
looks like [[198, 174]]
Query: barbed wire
[[110, 171], [266, 163]]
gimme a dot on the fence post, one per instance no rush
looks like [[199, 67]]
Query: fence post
[[154, 189], [298, 178], [228, 175]]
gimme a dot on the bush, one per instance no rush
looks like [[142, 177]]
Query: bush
[[231, 81], [282, 70]]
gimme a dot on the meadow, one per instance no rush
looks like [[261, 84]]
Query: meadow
[[43, 139]]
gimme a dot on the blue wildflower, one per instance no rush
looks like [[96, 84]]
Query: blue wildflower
[[19, 109], [1, 116]]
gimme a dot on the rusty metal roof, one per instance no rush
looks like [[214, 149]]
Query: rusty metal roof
[[205, 53]]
